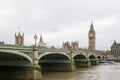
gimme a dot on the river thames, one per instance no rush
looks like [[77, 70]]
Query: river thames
[[98, 72]]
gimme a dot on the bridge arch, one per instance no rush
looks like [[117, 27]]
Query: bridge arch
[[80, 59], [103, 57], [12, 53], [99, 58], [54, 61], [92, 57], [80, 54], [51, 53]]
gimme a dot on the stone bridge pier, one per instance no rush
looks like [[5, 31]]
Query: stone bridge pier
[[36, 67]]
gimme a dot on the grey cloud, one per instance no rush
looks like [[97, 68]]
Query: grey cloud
[[52, 16]]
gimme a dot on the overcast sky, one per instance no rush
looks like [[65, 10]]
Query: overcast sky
[[61, 20]]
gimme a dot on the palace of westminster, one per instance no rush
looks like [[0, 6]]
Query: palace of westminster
[[19, 40], [115, 48]]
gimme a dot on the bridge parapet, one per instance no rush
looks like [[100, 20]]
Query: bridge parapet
[[28, 50], [15, 47], [42, 51]]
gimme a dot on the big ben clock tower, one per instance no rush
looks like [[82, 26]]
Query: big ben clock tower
[[91, 36]]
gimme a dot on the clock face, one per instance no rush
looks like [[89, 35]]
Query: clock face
[[91, 34]]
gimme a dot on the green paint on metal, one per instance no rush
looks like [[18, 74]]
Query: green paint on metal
[[80, 54], [47, 53], [17, 53]]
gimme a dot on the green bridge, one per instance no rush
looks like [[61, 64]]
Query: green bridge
[[33, 60]]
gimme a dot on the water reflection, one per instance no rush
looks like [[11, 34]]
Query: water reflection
[[100, 72]]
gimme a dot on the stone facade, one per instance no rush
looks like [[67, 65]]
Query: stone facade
[[115, 50], [73, 45], [91, 37], [66, 45], [19, 39]]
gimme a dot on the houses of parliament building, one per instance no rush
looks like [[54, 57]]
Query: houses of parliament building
[[19, 40], [75, 45]]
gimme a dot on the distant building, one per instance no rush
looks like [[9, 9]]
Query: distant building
[[75, 45], [115, 50], [41, 43], [66, 45], [19, 39], [91, 37], [72, 45], [2, 42]]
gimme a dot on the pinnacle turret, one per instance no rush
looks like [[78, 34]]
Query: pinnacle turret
[[41, 42], [41, 39]]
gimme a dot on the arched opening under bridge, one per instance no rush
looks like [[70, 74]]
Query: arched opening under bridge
[[80, 60], [54, 62], [99, 58], [14, 64], [93, 60]]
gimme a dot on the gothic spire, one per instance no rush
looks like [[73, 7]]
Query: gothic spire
[[41, 39], [91, 26], [19, 38], [114, 41]]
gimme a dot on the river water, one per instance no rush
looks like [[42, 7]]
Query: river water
[[99, 72]]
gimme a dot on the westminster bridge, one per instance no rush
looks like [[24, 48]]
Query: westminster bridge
[[33, 60]]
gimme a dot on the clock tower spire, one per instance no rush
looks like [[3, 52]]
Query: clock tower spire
[[91, 36]]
